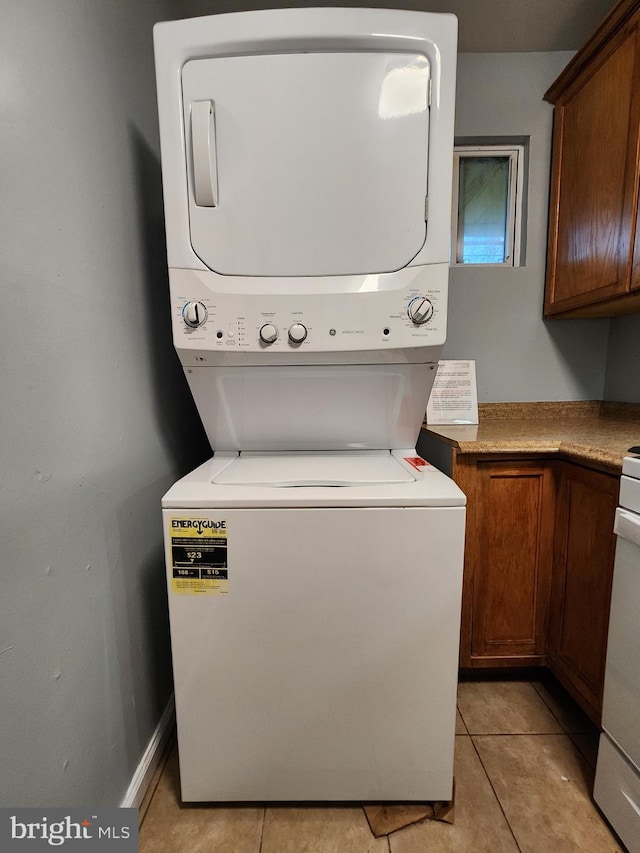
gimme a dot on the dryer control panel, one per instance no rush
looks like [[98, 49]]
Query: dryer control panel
[[362, 314]]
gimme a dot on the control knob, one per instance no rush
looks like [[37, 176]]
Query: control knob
[[420, 310], [194, 314], [268, 333], [297, 333]]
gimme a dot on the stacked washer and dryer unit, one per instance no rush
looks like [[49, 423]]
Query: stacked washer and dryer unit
[[314, 564]]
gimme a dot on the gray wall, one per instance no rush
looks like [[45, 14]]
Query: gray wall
[[495, 315], [622, 381], [97, 421], [485, 25]]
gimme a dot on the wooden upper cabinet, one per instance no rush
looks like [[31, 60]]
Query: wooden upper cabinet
[[592, 127], [595, 169]]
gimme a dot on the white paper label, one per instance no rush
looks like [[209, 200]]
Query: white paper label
[[454, 397]]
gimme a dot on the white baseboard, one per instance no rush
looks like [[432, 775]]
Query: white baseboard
[[150, 758]]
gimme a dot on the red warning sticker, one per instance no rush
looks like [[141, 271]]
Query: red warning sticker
[[417, 462]]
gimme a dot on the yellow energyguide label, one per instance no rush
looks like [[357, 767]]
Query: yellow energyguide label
[[199, 555]]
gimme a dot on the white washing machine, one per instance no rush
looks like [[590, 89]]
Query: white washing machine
[[314, 616], [314, 565]]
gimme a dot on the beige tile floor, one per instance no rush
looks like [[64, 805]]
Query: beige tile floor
[[525, 757]]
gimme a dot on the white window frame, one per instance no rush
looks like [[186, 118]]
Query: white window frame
[[515, 153]]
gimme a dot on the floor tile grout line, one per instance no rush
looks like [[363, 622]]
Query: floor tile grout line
[[495, 794], [264, 817], [519, 734], [560, 723], [550, 709], [546, 704], [579, 748], [464, 723]]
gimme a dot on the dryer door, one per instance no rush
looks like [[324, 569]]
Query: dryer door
[[307, 164]]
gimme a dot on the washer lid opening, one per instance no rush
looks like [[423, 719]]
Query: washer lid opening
[[299, 470]]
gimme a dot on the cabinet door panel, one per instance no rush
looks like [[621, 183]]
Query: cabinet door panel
[[635, 270], [582, 576], [512, 572], [592, 195]]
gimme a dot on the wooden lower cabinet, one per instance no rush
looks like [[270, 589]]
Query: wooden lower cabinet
[[538, 568], [508, 560], [581, 588]]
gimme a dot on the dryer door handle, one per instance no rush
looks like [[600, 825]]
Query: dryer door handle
[[203, 150]]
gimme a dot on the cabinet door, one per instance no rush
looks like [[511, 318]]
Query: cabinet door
[[581, 584], [635, 269], [508, 558], [593, 190]]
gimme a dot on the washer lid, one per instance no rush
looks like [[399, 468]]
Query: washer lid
[[300, 470], [369, 478]]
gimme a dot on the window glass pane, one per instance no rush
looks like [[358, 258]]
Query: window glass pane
[[483, 210]]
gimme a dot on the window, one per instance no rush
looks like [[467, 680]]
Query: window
[[488, 185]]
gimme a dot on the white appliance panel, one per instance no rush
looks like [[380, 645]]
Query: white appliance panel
[[631, 467], [630, 493], [316, 677], [617, 782], [617, 792], [312, 407], [320, 162], [345, 314], [621, 701]]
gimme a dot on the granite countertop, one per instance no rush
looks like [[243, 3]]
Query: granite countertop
[[592, 433]]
